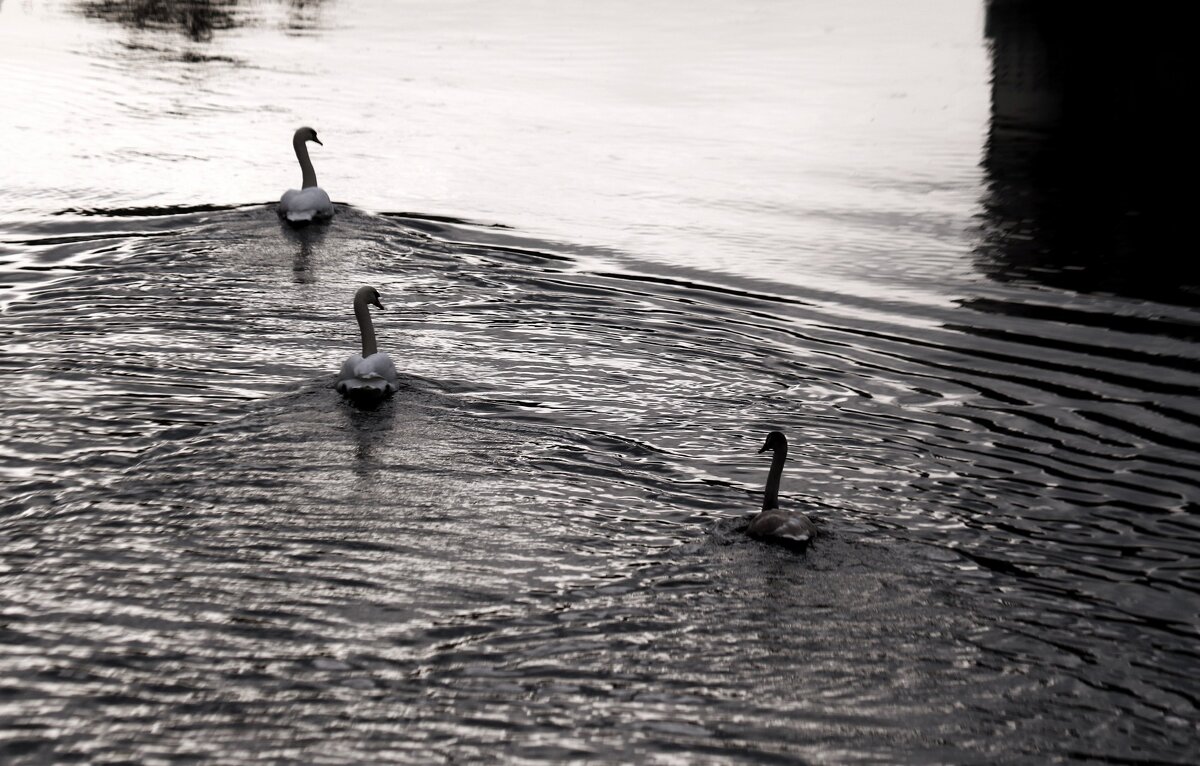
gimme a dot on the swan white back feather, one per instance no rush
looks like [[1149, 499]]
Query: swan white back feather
[[305, 204]]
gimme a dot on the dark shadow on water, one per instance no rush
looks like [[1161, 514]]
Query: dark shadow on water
[[1084, 156], [199, 20], [370, 424], [149, 211], [429, 220], [305, 239]]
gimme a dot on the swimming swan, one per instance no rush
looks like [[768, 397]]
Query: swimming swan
[[309, 201], [773, 524], [371, 376]]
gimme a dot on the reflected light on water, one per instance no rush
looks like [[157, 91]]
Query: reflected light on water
[[730, 138]]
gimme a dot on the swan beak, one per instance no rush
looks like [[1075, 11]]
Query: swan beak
[[379, 306], [764, 449], [317, 140]]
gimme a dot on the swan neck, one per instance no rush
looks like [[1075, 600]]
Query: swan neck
[[771, 496], [363, 314], [306, 167]]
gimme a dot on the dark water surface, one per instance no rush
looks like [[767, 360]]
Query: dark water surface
[[532, 553]]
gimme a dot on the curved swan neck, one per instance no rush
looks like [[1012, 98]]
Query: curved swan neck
[[306, 167], [363, 314], [771, 496]]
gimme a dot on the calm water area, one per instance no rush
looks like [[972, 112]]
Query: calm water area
[[617, 244]]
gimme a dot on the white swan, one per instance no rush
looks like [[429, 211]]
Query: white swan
[[773, 524], [368, 377], [309, 201]]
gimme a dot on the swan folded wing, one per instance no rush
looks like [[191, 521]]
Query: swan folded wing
[[305, 204], [378, 365], [375, 372], [781, 525], [347, 373]]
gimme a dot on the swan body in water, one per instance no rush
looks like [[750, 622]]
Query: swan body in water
[[309, 201], [368, 377], [774, 524]]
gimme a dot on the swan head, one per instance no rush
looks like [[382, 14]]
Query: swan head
[[306, 134], [775, 442], [368, 295]]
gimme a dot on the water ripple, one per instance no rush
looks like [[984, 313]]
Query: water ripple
[[535, 545]]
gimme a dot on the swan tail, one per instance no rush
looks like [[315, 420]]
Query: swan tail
[[372, 392], [794, 542]]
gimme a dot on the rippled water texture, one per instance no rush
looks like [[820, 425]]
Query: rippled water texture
[[533, 552]]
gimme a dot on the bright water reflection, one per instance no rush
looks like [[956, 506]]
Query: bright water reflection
[[532, 552], [796, 141]]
